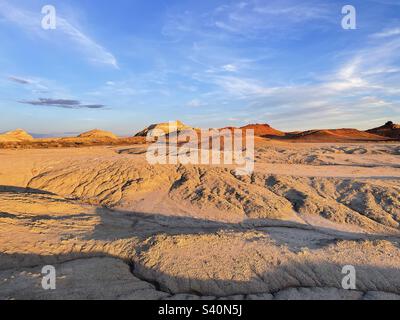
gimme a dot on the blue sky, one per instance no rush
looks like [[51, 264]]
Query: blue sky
[[121, 65]]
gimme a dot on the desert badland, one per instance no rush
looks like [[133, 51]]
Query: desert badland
[[279, 181], [116, 227]]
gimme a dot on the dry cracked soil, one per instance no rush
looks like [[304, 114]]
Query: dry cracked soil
[[116, 227]]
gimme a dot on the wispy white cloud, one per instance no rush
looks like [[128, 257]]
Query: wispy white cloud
[[242, 87], [94, 51], [365, 85], [353, 85], [387, 33], [254, 18], [230, 68], [195, 103], [250, 19], [32, 84], [30, 22]]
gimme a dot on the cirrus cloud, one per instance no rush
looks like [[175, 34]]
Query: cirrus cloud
[[29, 22]]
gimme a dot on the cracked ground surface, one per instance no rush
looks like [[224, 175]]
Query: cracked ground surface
[[116, 227]]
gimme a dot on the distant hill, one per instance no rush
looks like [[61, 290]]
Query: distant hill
[[16, 136], [335, 135], [98, 134], [260, 130], [21, 139], [264, 130], [163, 127], [389, 130]]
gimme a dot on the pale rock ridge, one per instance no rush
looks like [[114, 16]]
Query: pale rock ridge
[[16, 136], [165, 127]]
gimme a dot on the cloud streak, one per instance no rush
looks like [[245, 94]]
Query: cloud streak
[[95, 51], [249, 20], [62, 103], [253, 18], [19, 80], [31, 23], [387, 33]]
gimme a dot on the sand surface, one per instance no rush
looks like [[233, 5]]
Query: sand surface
[[116, 227]]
